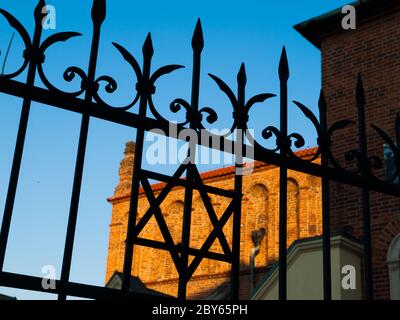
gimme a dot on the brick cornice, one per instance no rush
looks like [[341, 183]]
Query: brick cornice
[[213, 174]]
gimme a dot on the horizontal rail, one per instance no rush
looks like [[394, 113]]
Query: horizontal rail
[[132, 120], [184, 183], [193, 252], [26, 282]]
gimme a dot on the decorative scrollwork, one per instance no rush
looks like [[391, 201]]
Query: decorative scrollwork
[[92, 86], [270, 132], [144, 87], [70, 73], [354, 156], [232, 98], [192, 116], [324, 134], [19, 28], [176, 105], [241, 108], [393, 145]]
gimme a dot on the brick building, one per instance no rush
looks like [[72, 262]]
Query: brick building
[[155, 268], [372, 49]]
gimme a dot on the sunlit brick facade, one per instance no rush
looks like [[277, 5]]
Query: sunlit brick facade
[[260, 210], [372, 50]]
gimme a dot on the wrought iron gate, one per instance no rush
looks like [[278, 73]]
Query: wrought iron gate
[[87, 102]]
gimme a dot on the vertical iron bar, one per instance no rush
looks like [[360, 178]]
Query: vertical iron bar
[[98, 16], [326, 233], [23, 124], [145, 89], [235, 273], [197, 46], [237, 213], [366, 214], [187, 213], [283, 76]]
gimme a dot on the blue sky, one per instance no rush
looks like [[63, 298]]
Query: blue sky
[[252, 32]]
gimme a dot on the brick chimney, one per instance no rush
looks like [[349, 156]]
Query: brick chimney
[[126, 170]]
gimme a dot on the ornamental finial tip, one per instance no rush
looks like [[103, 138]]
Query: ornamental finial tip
[[197, 39], [148, 49], [284, 66], [99, 11]]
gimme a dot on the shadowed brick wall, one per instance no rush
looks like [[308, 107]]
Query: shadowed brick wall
[[373, 49]]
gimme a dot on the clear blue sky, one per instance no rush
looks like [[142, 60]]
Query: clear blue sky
[[252, 31]]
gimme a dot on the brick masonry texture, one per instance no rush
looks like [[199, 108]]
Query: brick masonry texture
[[373, 50], [260, 210]]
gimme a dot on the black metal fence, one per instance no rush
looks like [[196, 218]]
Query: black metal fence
[[87, 102]]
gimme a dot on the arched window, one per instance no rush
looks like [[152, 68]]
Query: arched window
[[393, 260], [256, 217], [293, 207], [173, 217]]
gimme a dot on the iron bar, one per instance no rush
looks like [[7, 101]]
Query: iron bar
[[47, 98], [210, 239], [191, 251], [237, 212], [20, 142], [326, 228], [26, 282], [185, 183], [211, 212], [169, 241], [197, 46], [365, 172], [145, 89], [163, 194], [92, 105], [98, 17], [283, 76]]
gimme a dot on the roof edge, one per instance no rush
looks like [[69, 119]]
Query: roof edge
[[342, 238], [318, 28], [216, 173]]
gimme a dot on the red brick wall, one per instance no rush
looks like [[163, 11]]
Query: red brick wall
[[374, 51], [260, 209]]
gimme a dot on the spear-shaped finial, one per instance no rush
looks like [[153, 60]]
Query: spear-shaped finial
[[39, 12], [241, 76], [322, 105], [360, 93], [322, 139], [197, 39], [99, 11], [148, 49], [284, 66]]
